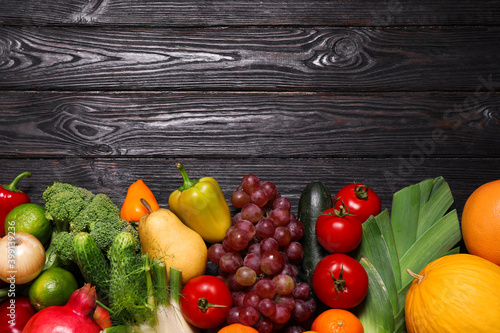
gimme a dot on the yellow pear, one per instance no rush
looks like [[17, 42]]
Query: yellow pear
[[164, 236]]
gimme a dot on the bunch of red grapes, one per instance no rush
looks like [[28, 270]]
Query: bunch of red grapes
[[258, 259]]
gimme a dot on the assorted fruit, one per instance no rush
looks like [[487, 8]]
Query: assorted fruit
[[342, 263]]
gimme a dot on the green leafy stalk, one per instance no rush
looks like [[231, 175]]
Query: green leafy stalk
[[419, 230]]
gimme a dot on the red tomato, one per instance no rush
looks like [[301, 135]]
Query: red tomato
[[338, 232], [340, 281], [359, 200], [14, 314], [205, 301]]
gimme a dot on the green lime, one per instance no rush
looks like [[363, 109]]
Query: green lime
[[53, 287], [29, 218]]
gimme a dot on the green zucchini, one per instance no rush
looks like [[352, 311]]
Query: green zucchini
[[314, 200], [92, 262]]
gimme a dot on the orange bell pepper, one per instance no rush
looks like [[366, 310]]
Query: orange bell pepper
[[132, 209]]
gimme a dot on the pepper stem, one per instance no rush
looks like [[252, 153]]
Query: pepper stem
[[12, 186], [147, 205], [187, 182]]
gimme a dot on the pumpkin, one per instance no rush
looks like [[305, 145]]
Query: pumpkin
[[455, 293]]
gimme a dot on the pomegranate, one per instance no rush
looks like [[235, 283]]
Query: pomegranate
[[14, 314], [74, 317]]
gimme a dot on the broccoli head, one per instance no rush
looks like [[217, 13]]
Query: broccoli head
[[62, 244], [63, 202]]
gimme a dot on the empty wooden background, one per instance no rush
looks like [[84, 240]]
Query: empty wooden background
[[101, 93]]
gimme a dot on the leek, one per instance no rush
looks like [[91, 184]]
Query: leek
[[420, 229]]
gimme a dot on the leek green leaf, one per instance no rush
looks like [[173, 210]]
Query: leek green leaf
[[420, 229]]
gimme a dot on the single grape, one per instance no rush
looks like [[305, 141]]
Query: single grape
[[265, 228], [290, 270], [282, 202], [232, 283], [296, 229], [280, 217], [301, 312], [215, 252], [268, 244], [282, 236], [233, 315], [251, 299], [281, 315], [265, 288], [238, 297], [270, 190], [286, 300], [295, 329], [293, 251], [236, 218], [311, 303], [246, 226], [239, 198], [302, 291], [238, 239], [250, 183], [249, 315], [245, 276], [251, 212], [264, 325], [266, 307], [230, 262], [284, 284], [254, 248], [252, 260], [271, 262], [259, 197]]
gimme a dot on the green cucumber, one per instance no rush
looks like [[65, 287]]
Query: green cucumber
[[314, 200], [92, 262]]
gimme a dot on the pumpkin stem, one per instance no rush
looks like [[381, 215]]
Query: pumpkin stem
[[415, 276]]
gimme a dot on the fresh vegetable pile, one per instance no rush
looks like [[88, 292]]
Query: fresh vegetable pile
[[341, 262]]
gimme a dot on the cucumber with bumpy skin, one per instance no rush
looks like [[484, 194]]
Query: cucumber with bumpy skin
[[314, 200], [92, 262]]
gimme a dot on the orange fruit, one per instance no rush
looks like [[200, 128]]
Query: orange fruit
[[237, 328], [337, 321], [481, 222]]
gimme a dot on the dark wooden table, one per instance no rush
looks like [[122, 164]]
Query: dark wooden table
[[102, 93]]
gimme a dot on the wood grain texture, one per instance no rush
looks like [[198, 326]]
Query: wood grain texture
[[276, 59], [241, 125], [113, 176], [249, 13]]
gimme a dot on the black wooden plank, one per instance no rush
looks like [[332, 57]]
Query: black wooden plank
[[340, 59], [240, 125], [245, 13], [113, 176]]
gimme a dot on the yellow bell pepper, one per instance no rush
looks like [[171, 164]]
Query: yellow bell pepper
[[200, 204]]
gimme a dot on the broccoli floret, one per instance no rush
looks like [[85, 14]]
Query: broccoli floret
[[63, 246], [63, 202], [100, 210], [105, 232]]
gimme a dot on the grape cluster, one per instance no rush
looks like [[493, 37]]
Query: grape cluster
[[258, 260]]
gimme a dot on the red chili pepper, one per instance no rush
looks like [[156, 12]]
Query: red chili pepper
[[11, 197]]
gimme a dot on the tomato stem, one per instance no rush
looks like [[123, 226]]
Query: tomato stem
[[338, 283], [361, 191], [204, 304]]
